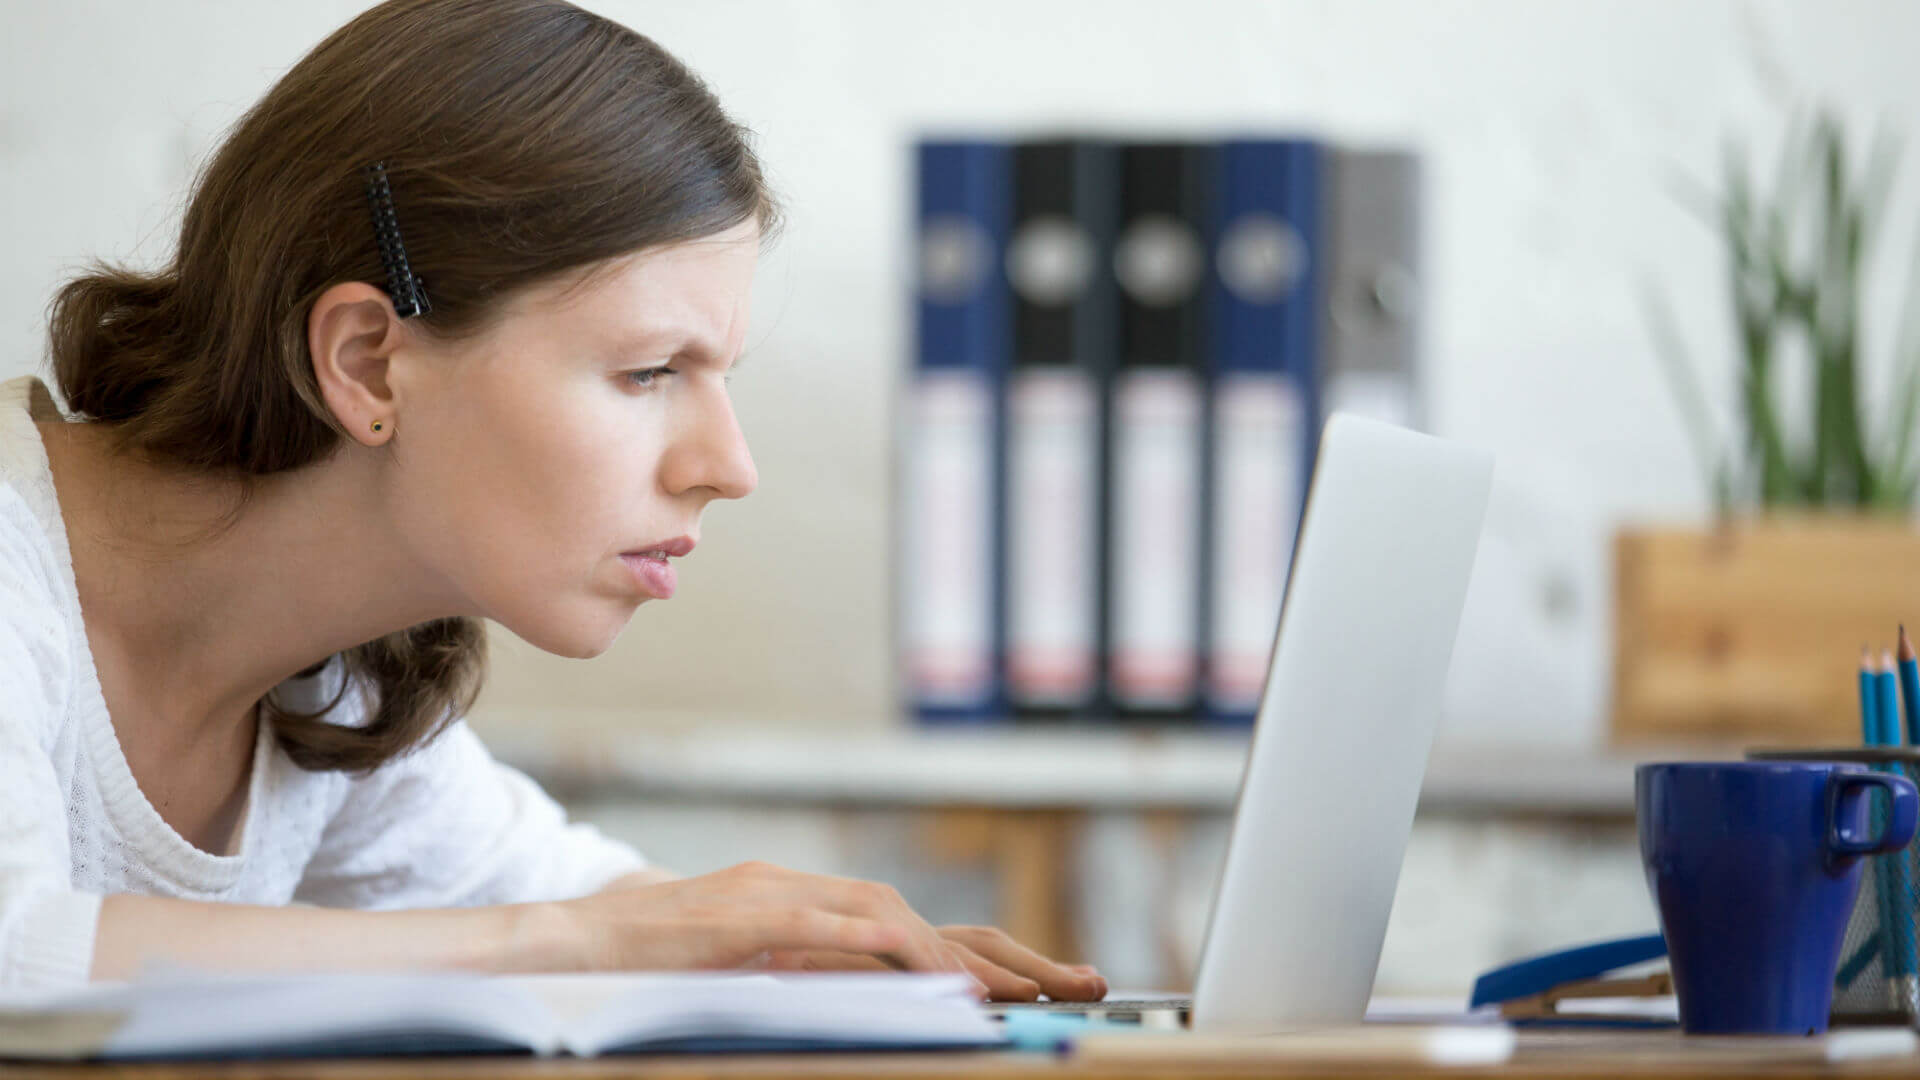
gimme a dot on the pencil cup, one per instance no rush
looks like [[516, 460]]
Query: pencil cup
[[1878, 978]]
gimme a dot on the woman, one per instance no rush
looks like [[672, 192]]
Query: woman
[[446, 337]]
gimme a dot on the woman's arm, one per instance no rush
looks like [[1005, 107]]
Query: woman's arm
[[731, 918], [724, 919], [652, 875], [135, 930]]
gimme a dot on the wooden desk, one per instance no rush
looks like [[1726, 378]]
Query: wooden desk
[[1560, 1056]]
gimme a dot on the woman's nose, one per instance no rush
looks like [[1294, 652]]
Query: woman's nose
[[711, 452]]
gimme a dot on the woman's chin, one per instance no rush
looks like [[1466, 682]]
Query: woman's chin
[[580, 638]]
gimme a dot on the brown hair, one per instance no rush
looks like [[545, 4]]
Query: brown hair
[[522, 139]]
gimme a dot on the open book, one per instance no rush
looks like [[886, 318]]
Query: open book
[[206, 1016]]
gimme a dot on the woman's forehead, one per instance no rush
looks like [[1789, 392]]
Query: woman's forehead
[[649, 268], [685, 295]]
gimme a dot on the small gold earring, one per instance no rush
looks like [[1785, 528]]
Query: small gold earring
[[377, 425]]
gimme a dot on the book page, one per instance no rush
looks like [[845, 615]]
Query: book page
[[208, 1015], [597, 1014]]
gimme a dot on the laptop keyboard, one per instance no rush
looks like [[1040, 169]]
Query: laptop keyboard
[[1158, 1012]]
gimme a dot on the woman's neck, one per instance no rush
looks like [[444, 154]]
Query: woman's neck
[[202, 600]]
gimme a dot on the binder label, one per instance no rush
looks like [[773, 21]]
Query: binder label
[[948, 526], [955, 255], [1050, 260], [1155, 594], [1261, 257], [1258, 441], [1158, 260], [1053, 433]]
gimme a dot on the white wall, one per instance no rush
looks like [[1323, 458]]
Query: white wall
[[1551, 130]]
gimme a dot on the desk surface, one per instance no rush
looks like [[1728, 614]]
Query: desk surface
[[1562, 1056]]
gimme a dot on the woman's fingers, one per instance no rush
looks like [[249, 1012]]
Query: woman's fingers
[[1001, 984], [927, 948], [761, 916], [774, 913], [826, 960], [920, 948], [1057, 981], [812, 928]]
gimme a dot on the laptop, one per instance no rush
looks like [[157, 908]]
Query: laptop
[[1339, 748]]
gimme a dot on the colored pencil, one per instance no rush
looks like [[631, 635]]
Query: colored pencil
[[1909, 687], [1882, 882], [1893, 865], [1869, 726]]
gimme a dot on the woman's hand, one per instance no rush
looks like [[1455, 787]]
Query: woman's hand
[[739, 916], [1010, 970]]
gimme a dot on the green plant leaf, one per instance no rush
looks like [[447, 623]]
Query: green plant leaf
[[1796, 257], [1778, 484], [1790, 175], [1756, 300], [1844, 472], [1683, 380]]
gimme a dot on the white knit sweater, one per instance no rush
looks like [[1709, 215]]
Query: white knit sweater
[[444, 826]]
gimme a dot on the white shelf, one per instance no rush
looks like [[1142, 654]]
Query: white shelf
[[1011, 768]]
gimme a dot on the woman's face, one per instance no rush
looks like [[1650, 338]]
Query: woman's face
[[549, 468]]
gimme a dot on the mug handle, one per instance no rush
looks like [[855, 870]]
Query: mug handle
[[1845, 790]]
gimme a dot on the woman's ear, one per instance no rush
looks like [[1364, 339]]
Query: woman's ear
[[352, 333]]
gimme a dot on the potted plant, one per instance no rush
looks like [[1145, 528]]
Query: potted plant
[[1749, 629]]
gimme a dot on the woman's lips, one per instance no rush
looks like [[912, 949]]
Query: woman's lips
[[676, 547], [654, 574], [650, 568]]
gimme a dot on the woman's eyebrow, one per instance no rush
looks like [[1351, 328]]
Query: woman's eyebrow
[[675, 340]]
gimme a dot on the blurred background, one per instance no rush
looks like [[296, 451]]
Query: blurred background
[[1573, 284]]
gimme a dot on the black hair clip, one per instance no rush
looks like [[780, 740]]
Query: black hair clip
[[408, 292]]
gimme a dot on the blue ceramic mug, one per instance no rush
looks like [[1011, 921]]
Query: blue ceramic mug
[[1754, 867]]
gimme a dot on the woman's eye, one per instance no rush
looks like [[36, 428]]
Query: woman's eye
[[644, 378]]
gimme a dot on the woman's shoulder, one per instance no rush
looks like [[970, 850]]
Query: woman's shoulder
[[35, 631], [30, 524], [32, 536], [35, 642], [29, 563]]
